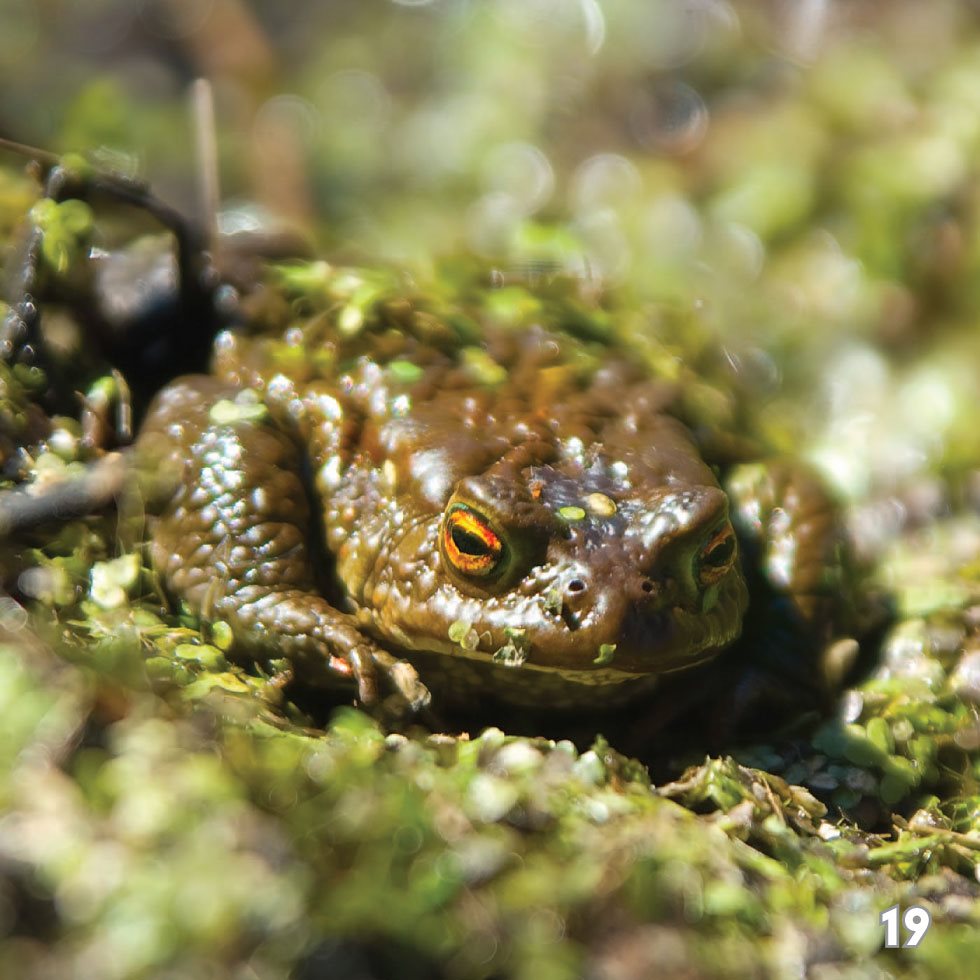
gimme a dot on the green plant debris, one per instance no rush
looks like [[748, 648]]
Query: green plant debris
[[783, 227], [196, 769], [607, 653], [244, 408]]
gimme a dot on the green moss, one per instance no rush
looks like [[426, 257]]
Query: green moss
[[169, 811]]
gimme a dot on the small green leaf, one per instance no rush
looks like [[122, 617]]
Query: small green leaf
[[607, 651], [222, 635], [458, 630], [242, 409], [405, 372]]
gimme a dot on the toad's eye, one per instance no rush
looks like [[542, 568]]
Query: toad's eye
[[716, 557], [470, 544]]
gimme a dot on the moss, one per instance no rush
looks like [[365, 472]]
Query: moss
[[810, 267]]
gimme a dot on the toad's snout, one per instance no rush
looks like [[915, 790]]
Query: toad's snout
[[646, 624]]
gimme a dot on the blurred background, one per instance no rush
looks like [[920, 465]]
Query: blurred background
[[796, 178], [792, 183]]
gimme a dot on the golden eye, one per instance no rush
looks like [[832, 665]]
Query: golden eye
[[470, 544], [716, 557]]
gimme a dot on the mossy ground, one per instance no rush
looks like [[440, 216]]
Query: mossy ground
[[167, 813]]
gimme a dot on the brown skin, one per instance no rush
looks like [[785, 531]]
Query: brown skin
[[552, 540]]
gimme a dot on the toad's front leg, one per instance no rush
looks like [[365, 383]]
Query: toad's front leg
[[233, 537], [810, 601]]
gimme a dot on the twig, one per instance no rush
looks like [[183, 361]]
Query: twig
[[89, 493]]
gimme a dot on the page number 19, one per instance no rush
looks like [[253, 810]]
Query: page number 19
[[916, 921]]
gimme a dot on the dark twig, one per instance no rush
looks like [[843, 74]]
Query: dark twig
[[89, 493]]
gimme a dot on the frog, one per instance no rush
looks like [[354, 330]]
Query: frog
[[409, 512], [399, 499]]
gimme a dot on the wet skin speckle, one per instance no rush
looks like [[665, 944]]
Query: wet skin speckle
[[553, 538]]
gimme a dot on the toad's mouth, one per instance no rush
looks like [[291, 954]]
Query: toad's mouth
[[643, 641], [681, 639], [668, 640]]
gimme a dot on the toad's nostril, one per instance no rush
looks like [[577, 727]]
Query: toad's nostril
[[647, 586], [576, 586]]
